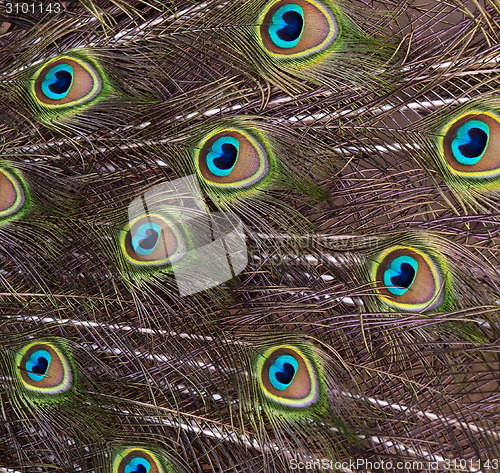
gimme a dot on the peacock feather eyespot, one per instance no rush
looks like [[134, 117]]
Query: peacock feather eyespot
[[409, 279], [140, 460], [13, 195], [67, 82], [471, 144], [44, 368], [293, 29], [152, 240], [231, 158], [288, 377]]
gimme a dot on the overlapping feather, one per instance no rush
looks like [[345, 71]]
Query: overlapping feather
[[349, 173]]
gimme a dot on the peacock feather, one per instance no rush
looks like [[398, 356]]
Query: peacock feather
[[249, 236]]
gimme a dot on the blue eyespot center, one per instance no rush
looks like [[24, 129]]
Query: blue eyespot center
[[470, 142], [223, 156], [228, 157], [62, 83], [137, 465], [287, 26], [400, 275], [146, 238], [38, 364], [282, 371], [294, 24], [58, 81]]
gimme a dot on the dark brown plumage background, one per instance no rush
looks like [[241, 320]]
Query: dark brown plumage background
[[358, 171]]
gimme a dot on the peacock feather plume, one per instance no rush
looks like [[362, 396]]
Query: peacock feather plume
[[249, 236]]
